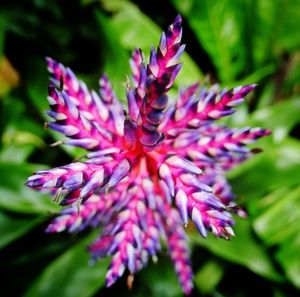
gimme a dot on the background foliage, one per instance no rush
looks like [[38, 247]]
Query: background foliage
[[228, 41]]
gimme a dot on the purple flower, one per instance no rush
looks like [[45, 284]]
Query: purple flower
[[150, 169]]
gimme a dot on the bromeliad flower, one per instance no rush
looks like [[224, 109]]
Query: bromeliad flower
[[149, 169]]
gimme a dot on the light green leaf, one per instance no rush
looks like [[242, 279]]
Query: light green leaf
[[20, 134], [70, 275], [281, 209], [15, 196], [208, 277], [280, 117], [278, 224], [254, 77]]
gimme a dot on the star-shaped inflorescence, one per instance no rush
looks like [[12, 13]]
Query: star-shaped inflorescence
[[150, 169]]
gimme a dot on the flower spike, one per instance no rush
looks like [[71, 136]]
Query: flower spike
[[150, 169]]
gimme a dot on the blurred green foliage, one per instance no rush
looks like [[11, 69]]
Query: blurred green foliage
[[232, 42]]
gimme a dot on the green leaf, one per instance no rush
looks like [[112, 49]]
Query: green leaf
[[254, 77], [15, 196], [135, 30], [37, 84], [265, 28], [20, 134], [243, 250], [208, 277], [281, 209], [278, 224], [289, 30], [280, 118], [160, 280], [288, 256], [3, 27], [13, 226], [292, 79], [70, 275], [115, 57], [278, 166], [219, 30], [243, 36]]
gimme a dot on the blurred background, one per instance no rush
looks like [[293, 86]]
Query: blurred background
[[231, 42]]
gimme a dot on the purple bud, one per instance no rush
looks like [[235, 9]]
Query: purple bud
[[148, 188], [155, 117], [166, 175], [173, 75], [100, 160], [119, 172], [73, 111], [74, 182], [208, 199], [163, 44], [181, 202], [197, 219], [133, 108], [101, 108], [68, 130], [174, 60], [150, 127], [118, 120], [181, 163], [103, 152], [153, 65], [216, 114], [87, 143], [94, 182], [131, 257], [130, 132], [161, 102], [150, 138], [192, 181], [58, 116]]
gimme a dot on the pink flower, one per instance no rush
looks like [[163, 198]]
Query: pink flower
[[150, 169]]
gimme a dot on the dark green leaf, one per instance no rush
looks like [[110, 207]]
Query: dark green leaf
[[277, 167], [70, 275], [14, 226], [160, 280], [288, 256], [243, 250], [115, 58], [219, 30], [3, 23]]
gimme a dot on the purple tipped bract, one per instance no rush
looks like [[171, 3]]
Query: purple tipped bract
[[149, 168]]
